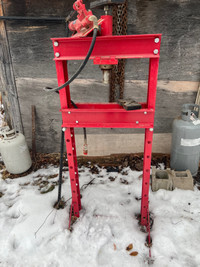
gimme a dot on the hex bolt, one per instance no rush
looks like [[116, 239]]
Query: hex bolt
[[71, 135], [76, 121], [137, 122], [69, 112], [72, 148], [64, 129], [57, 54], [145, 113], [156, 40], [151, 129], [155, 51], [55, 43]]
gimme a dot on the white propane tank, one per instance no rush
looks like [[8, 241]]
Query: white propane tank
[[14, 152]]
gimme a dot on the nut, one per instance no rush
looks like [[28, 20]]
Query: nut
[[155, 51]]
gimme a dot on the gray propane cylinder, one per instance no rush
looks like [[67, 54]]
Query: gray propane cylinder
[[14, 152], [185, 150]]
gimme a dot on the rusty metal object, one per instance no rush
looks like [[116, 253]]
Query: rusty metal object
[[117, 76]]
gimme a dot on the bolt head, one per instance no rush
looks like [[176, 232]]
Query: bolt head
[[151, 129], [156, 40], [137, 122], [76, 121], [155, 51], [145, 113], [55, 43], [69, 112], [57, 54], [64, 129]]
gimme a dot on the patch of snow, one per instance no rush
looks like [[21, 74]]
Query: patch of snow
[[34, 234]]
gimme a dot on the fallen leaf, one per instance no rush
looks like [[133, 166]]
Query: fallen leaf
[[134, 253], [115, 247], [130, 246]]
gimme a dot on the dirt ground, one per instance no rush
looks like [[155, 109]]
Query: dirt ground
[[114, 162]]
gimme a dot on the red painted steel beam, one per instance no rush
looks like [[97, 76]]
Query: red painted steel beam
[[146, 176], [101, 117], [106, 47]]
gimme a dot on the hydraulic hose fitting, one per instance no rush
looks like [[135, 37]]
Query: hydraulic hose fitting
[[95, 21]]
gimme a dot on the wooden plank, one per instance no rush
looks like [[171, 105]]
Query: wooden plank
[[197, 101], [8, 85], [49, 119], [177, 20], [179, 63], [122, 143]]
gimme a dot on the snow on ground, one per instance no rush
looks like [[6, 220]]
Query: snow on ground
[[32, 233]]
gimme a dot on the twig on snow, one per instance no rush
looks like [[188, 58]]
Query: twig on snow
[[43, 222]]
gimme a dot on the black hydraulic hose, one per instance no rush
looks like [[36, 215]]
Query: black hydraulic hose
[[49, 89], [58, 204], [85, 134]]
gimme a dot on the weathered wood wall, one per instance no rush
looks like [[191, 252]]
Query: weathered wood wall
[[32, 54]]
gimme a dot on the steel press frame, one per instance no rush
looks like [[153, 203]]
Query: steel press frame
[[107, 50]]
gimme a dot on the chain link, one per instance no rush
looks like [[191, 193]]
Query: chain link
[[117, 76]]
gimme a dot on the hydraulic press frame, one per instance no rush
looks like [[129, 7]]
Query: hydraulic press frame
[[107, 50]]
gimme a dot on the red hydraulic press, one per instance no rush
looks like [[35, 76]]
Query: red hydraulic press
[[104, 49]]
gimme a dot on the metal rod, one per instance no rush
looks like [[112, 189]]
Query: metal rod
[[32, 18]]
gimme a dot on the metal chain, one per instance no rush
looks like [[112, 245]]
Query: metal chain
[[118, 71]]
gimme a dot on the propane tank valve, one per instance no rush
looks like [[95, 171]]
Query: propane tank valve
[[95, 22]]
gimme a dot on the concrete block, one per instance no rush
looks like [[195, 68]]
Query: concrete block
[[169, 179], [161, 179], [183, 180]]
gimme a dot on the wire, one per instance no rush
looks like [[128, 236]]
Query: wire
[[49, 89], [85, 150]]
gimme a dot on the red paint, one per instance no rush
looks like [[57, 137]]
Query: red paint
[[110, 115], [106, 116], [106, 47], [106, 25], [82, 22]]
